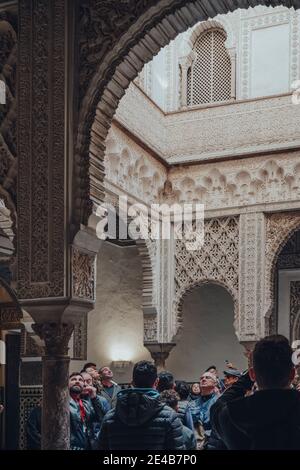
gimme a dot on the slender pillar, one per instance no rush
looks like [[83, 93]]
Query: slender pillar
[[55, 411], [232, 54], [184, 72]]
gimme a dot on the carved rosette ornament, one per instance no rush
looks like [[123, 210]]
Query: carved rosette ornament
[[56, 337]]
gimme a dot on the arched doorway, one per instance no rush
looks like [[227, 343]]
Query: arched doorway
[[116, 325], [208, 336]]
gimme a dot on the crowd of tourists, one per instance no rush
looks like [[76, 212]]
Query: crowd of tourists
[[255, 409]]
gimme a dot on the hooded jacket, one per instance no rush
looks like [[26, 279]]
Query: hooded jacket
[[141, 422], [269, 419]]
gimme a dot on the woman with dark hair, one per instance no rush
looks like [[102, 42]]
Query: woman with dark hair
[[195, 391]]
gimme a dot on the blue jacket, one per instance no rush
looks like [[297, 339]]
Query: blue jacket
[[201, 411], [84, 434]]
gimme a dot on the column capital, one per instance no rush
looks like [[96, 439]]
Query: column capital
[[56, 337], [159, 352]]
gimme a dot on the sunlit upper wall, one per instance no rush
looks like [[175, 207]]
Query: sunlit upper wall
[[263, 43]]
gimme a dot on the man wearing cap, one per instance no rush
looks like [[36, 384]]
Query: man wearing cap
[[231, 376]]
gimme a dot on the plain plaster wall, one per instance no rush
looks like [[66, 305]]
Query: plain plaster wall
[[115, 326], [270, 61], [208, 336]]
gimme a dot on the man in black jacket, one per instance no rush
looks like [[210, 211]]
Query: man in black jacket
[[140, 420], [270, 418], [86, 414]]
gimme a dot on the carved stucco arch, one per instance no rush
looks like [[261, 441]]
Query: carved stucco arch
[[147, 253], [221, 24], [279, 229], [111, 57], [184, 293]]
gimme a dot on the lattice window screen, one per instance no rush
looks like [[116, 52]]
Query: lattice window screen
[[209, 78]]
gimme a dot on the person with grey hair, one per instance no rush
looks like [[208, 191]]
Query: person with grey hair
[[202, 405]]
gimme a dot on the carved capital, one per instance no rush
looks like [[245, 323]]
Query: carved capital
[[160, 352], [56, 337]]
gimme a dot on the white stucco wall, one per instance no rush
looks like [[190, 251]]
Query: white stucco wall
[[208, 336], [115, 326], [270, 61]]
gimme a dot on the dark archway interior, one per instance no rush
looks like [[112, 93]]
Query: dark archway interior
[[208, 335]]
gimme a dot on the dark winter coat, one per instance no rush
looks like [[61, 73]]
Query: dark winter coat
[[184, 413], [269, 419], [82, 435], [112, 400], [141, 422], [189, 439]]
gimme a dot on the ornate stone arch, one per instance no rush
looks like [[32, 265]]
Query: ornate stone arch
[[111, 57], [202, 27], [8, 64], [279, 229], [190, 288]]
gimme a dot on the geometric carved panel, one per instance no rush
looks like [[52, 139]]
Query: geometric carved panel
[[30, 397], [80, 339], [294, 310], [41, 149], [216, 261]]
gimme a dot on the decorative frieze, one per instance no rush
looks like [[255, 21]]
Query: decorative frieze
[[10, 316], [41, 149], [251, 274]]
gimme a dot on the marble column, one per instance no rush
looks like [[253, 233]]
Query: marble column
[[55, 411]]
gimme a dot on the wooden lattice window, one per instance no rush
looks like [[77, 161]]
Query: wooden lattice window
[[209, 77]]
